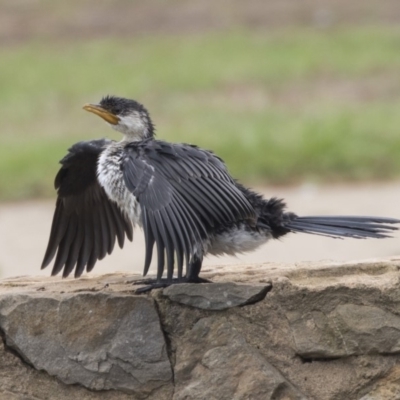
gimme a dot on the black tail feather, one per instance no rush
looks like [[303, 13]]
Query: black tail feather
[[342, 226]]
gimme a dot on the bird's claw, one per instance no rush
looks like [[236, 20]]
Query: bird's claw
[[163, 283]]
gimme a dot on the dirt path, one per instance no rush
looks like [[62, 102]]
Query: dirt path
[[24, 230]]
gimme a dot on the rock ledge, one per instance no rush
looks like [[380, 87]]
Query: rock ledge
[[307, 331]]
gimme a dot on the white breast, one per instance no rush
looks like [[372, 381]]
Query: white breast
[[110, 177]]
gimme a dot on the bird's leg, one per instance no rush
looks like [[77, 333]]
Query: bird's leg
[[163, 283], [154, 284], [191, 277], [194, 270]]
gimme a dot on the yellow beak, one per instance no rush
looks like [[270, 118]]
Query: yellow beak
[[101, 112]]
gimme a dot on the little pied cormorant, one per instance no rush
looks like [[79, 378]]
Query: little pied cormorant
[[182, 196]]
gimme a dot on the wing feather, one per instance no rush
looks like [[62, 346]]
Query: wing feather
[[184, 193], [177, 245], [104, 229], [86, 247], [149, 240], [86, 223], [112, 232], [74, 250], [183, 232], [58, 228], [64, 246], [160, 246], [166, 237]]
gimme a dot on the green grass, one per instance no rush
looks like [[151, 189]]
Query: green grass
[[266, 103]]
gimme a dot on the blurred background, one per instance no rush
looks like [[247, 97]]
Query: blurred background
[[300, 98]]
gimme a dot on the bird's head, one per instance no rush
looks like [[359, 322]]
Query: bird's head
[[126, 116]]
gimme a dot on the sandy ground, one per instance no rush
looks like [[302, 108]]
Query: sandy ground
[[24, 230]]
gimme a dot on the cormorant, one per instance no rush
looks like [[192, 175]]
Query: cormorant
[[182, 196]]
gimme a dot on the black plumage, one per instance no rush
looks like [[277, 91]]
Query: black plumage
[[184, 192], [86, 222], [182, 196]]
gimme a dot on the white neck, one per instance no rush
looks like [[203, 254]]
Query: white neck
[[132, 127]]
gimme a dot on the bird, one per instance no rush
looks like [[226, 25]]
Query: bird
[[182, 196]]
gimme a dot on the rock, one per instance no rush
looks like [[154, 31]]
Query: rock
[[215, 362], [387, 388], [20, 381], [324, 331], [101, 341], [349, 329], [216, 296]]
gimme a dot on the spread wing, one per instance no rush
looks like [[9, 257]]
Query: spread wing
[[85, 223], [184, 193]]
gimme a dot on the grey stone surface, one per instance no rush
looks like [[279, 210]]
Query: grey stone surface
[[215, 362], [98, 340], [323, 332], [21, 381], [216, 296], [350, 329]]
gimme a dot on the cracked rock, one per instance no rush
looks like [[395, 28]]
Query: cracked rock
[[216, 296], [215, 362], [98, 340], [349, 329], [66, 341]]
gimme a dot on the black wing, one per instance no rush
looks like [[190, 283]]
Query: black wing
[[85, 223], [184, 192]]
